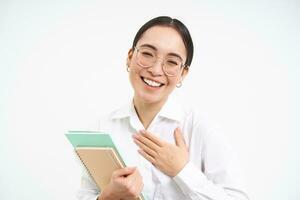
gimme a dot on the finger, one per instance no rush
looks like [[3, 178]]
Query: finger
[[131, 179], [124, 171], [152, 137], [146, 141], [145, 148], [147, 157], [141, 186], [136, 177], [179, 140]]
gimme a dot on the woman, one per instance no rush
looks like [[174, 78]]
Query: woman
[[173, 151]]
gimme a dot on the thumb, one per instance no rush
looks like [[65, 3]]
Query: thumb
[[179, 138], [124, 171]]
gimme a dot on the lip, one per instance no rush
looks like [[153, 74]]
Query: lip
[[151, 88], [143, 77]]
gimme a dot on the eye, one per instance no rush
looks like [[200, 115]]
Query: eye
[[172, 62], [147, 54]]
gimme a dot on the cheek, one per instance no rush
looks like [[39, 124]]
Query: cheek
[[135, 73], [172, 81], [134, 76]]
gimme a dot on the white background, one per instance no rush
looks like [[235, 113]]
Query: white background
[[62, 65]]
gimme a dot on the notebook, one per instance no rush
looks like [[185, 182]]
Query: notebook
[[98, 154]]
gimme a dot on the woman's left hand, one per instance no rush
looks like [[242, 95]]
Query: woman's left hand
[[169, 158]]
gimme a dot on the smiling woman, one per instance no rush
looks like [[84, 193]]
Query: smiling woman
[[156, 67], [173, 151]]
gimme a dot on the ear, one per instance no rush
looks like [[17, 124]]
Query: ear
[[184, 72], [129, 56]]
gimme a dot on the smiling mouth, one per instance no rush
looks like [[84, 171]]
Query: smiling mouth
[[151, 83]]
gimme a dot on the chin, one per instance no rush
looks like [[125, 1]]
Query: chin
[[150, 98]]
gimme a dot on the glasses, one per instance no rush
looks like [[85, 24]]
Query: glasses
[[146, 58]]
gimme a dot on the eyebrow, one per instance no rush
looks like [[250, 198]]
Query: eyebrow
[[154, 48]]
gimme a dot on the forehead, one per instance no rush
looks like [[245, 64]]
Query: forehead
[[165, 39]]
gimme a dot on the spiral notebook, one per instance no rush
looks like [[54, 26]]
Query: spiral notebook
[[98, 154]]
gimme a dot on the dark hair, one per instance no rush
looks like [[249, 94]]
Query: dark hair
[[177, 25]]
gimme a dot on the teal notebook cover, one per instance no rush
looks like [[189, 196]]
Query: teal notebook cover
[[91, 139]]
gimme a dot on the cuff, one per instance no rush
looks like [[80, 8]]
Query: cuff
[[190, 178]]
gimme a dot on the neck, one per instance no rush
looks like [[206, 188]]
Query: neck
[[147, 111]]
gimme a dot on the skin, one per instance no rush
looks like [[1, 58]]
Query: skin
[[167, 157], [170, 159], [148, 100], [125, 184]]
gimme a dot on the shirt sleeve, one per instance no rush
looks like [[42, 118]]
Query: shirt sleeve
[[219, 177], [88, 189]]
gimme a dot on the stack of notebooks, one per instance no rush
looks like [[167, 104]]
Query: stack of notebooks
[[98, 154]]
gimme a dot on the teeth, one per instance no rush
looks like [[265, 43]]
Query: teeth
[[152, 83]]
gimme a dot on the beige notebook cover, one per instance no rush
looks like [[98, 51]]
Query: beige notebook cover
[[100, 162]]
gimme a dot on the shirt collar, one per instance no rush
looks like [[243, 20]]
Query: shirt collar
[[172, 110], [123, 112]]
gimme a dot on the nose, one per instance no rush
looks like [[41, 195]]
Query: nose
[[157, 69]]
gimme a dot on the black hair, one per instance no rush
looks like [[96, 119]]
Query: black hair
[[177, 25]]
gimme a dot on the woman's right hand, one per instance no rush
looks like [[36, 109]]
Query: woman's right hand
[[125, 184]]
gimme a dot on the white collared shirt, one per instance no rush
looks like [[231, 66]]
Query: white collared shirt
[[212, 172]]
